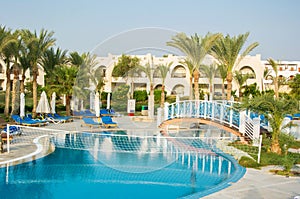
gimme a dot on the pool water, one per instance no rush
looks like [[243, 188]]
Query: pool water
[[74, 173]]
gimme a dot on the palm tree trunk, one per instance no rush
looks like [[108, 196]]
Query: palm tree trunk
[[34, 90], [275, 147], [7, 91], [191, 88], [162, 96], [229, 85], [22, 82], [151, 103], [14, 103], [68, 105], [210, 91], [196, 84], [276, 87], [131, 89]]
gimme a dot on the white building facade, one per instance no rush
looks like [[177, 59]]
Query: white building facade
[[178, 78]]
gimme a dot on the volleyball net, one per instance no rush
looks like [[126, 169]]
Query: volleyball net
[[29, 141]]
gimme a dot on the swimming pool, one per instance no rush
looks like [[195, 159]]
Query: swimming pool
[[121, 166]]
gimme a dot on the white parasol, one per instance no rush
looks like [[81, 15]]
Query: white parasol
[[22, 105], [53, 103], [43, 105]]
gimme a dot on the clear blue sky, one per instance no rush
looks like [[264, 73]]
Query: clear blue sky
[[81, 25]]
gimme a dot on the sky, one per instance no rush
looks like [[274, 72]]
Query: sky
[[86, 25]]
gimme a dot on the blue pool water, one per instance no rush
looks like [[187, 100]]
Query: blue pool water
[[111, 170]]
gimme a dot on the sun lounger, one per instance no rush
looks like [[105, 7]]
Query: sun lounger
[[27, 122], [13, 130], [88, 113], [104, 112], [107, 122], [28, 117], [90, 122], [61, 118]]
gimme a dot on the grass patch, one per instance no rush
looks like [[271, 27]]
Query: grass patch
[[286, 159]]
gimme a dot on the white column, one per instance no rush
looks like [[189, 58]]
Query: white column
[[108, 101]]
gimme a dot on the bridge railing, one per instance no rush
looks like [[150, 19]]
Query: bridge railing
[[222, 112]]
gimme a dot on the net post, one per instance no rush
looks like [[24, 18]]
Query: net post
[[259, 149], [7, 138]]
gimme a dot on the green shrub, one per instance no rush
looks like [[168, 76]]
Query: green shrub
[[171, 99], [248, 162], [140, 96], [157, 96]]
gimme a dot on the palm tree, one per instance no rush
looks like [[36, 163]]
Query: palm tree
[[227, 50], [266, 74], [148, 69], [8, 50], [36, 44], [15, 48], [195, 48], [274, 109], [275, 79], [223, 73], [52, 58], [66, 76], [5, 38], [189, 65], [240, 79], [163, 71], [210, 72]]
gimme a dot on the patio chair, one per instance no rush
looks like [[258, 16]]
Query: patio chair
[[90, 122], [107, 122]]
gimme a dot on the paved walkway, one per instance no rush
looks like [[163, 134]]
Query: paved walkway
[[255, 184], [261, 184]]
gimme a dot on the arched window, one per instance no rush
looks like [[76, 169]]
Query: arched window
[[178, 72], [158, 87], [248, 70], [178, 90]]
